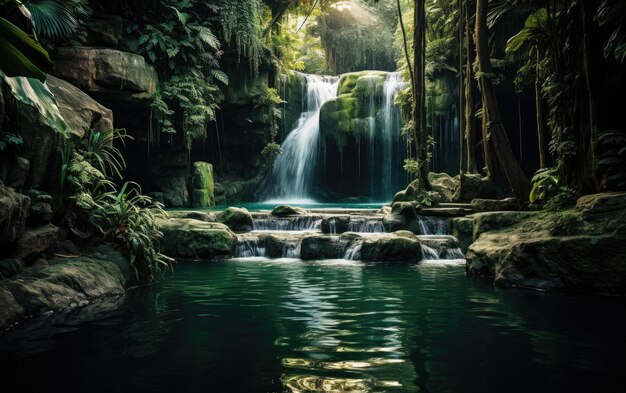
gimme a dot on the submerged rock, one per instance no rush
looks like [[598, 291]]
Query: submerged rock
[[286, 210], [237, 219], [193, 239]]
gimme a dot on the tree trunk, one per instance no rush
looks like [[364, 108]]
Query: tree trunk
[[461, 110], [470, 131], [541, 137], [494, 135], [419, 114], [406, 50]]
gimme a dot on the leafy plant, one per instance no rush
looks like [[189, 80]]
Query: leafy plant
[[426, 198], [56, 19], [549, 192], [21, 54], [100, 151], [10, 140], [271, 151]]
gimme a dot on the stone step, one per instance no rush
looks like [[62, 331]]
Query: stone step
[[444, 211]]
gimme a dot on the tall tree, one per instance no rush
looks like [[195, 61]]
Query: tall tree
[[419, 73], [497, 146], [470, 129]]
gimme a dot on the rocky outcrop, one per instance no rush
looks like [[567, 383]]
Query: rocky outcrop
[[174, 190], [472, 186], [445, 185], [237, 219], [13, 212], [80, 112], [581, 249], [34, 241], [105, 72], [64, 284], [186, 238], [202, 184]]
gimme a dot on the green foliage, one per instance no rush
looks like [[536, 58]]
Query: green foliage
[[549, 191], [241, 23], [612, 163], [426, 198], [10, 140], [56, 19], [20, 54], [270, 152], [185, 52], [612, 15], [99, 211]]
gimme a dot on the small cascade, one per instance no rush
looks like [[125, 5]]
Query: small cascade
[[434, 225], [332, 224], [366, 225], [444, 247], [304, 223], [248, 247], [353, 251], [293, 175], [292, 250]]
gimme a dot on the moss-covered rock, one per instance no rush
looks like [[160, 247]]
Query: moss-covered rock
[[13, 212], [346, 118], [202, 184], [237, 219], [193, 239]]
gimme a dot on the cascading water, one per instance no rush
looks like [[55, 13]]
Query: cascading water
[[386, 146], [293, 176]]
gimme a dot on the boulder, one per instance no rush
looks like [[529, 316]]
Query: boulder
[[492, 205], [391, 248], [237, 219], [445, 185], [285, 210], [193, 239], [335, 224], [81, 112], [202, 184], [174, 189], [316, 247], [472, 186], [13, 212], [102, 72], [64, 284], [10, 267], [195, 215], [34, 241]]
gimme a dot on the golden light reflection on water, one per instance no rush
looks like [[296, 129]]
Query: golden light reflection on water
[[312, 383]]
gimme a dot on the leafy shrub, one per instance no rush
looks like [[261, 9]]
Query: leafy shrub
[[271, 151], [549, 192]]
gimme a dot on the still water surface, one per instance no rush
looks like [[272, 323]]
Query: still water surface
[[287, 325]]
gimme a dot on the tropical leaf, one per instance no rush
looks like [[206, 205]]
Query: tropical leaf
[[53, 19], [20, 54], [532, 31], [33, 92]]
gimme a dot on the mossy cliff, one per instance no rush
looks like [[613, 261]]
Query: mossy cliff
[[346, 119]]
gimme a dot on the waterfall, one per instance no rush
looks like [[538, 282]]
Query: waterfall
[[292, 178], [306, 223], [386, 145]]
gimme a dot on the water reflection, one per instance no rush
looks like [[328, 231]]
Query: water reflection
[[256, 325]]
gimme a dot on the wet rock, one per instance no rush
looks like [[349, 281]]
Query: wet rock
[[34, 241], [237, 219], [194, 239], [492, 205], [285, 210], [10, 267], [335, 224], [13, 212], [389, 248], [317, 247], [472, 186], [10, 310]]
